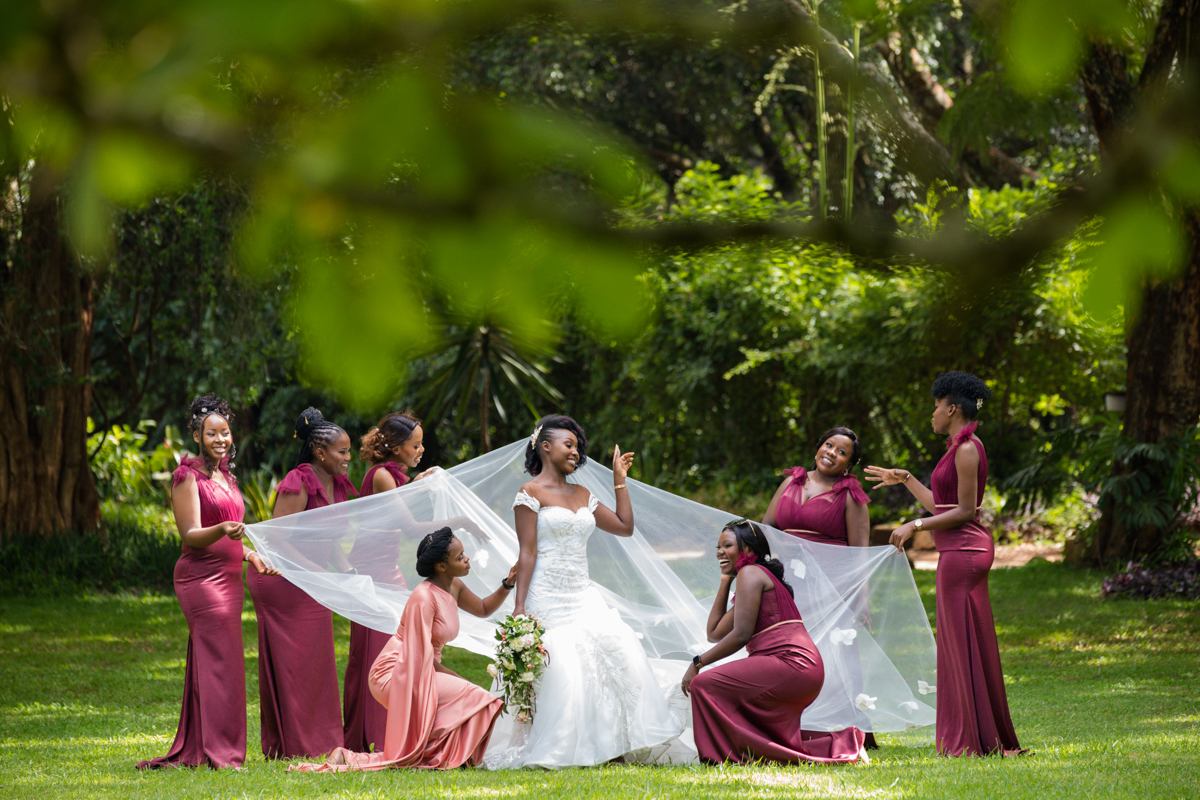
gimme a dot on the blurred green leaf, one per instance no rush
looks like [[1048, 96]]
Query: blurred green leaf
[[1046, 41], [1137, 240]]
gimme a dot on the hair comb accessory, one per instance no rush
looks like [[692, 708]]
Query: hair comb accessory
[[735, 522], [978, 403], [533, 439]]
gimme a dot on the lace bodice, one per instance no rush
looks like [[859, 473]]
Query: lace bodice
[[562, 537]]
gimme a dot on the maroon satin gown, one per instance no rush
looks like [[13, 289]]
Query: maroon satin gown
[[972, 706], [823, 518], [364, 719], [750, 710], [208, 583], [300, 713]]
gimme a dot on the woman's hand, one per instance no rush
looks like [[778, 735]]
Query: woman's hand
[[882, 476], [511, 580], [426, 472], [234, 530], [902, 534], [621, 464], [259, 565], [728, 571], [688, 677]]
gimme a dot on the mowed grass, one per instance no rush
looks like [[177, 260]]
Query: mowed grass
[[1104, 692]]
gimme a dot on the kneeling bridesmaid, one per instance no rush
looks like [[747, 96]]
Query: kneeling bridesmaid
[[750, 710], [435, 719]]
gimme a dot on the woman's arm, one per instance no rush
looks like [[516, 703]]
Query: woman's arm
[[882, 476], [469, 602], [858, 523], [769, 516], [185, 503], [966, 464], [256, 561], [438, 667], [526, 521], [382, 481], [288, 503], [620, 523], [750, 586], [720, 619]]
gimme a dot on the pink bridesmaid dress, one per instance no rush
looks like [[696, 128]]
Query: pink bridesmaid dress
[[823, 518], [972, 706], [434, 720], [208, 583], [297, 668], [750, 710], [364, 720]]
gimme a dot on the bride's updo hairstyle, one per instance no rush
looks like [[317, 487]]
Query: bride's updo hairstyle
[[553, 422], [392, 431], [856, 453], [201, 409], [750, 537], [433, 550], [963, 390], [313, 429]]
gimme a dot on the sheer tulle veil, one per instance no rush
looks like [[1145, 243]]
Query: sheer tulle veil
[[860, 605]]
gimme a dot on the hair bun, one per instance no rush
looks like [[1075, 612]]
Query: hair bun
[[307, 421]]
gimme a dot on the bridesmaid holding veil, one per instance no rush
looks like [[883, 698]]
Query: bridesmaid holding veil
[[208, 582], [751, 710], [435, 718], [972, 707], [297, 669], [392, 448]]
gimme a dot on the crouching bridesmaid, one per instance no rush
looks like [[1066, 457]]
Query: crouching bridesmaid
[[750, 710], [435, 719]]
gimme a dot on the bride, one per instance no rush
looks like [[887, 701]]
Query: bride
[[598, 699]]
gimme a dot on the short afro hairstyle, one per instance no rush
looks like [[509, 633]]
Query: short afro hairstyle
[[433, 550], [963, 390], [553, 422]]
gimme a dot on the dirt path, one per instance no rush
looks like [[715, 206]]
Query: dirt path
[[1017, 555]]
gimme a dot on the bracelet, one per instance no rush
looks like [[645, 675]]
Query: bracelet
[[907, 475], [696, 662], [622, 486], [508, 588]]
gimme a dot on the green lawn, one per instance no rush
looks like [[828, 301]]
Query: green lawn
[[1104, 692]]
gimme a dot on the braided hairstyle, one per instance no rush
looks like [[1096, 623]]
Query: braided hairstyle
[[433, 550], [856, 453], [313, 429], [533, 458], [750, 537], [963, 390], [392, 431], [200, 410]]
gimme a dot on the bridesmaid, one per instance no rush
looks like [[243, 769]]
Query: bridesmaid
[[392, 448], [208, 582], [297, 670], [972, 707], [825, 504], [750, 710], [435, 719]]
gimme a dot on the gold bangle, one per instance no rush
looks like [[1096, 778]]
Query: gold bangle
[[622, 486]]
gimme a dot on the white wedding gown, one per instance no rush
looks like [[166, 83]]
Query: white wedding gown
[[599, 698]]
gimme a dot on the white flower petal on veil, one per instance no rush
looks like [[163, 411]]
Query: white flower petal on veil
[[481, 558], [925, 688], [865, 702], [798, 568], [843, 636]]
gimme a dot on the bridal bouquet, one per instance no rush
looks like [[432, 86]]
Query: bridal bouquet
[[520, 660]]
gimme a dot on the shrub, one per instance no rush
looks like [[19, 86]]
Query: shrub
[[1173, 580]]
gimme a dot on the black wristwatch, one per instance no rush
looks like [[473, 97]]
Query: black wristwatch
[[697, 663], [504, 583]]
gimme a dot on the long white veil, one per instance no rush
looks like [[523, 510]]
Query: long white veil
[[860, 605]]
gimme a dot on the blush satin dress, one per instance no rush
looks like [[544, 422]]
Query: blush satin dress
[[208, 583], [434, 720], [364, 720], [751, 709], [297, 671], [972, 705]]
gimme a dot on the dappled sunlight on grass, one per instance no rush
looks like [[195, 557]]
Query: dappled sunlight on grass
[[1103, 692]]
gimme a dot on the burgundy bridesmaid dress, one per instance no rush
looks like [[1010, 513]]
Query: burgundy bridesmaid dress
[[364, 719], [823, 518], [297, 668], [208, 583], [972, 706], [750, 710]]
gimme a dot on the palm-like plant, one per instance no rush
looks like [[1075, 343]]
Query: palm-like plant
[[488, 361]]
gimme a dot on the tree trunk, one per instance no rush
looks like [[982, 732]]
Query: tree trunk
[[1162, 387], [45, 385]]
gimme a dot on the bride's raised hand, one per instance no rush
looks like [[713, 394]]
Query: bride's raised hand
[[621, 464], [882, 476]]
